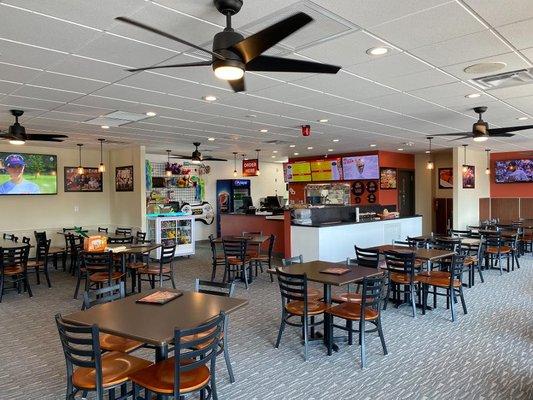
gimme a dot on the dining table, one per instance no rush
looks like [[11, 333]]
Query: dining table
[[93, 232], [251, 239], [154, 324], [314, 273], [9, 244], [465, 241], [427, 255]]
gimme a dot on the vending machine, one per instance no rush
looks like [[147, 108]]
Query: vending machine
[[230, 196]]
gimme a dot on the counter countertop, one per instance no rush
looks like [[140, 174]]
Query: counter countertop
[[269, 216], [328, 224]]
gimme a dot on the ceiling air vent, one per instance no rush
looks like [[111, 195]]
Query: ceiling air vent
[[275, 141], [505, 80], [116, 118]]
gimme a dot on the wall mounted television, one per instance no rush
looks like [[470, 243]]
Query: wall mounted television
[[360, 167], [514, 171], [27, 174]]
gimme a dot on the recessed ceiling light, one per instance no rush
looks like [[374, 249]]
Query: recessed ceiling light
[[323, 120], [484, 68], [105, 127], [251, 116], [273, 156], [151, 114], [377, 51], [263, 130], [330, 149], [373, 145], [274, 151], [211, 139], [296, 154], [428, 152], [473, 95], [400, 149], [309, 147], [522, 118], [292, 146], [209, 97], [335, 140]]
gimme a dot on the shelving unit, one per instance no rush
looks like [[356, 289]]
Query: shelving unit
[[173, 229]]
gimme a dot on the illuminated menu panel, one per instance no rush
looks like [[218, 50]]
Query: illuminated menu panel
[[326, 170], [298, 172], [360, 167]]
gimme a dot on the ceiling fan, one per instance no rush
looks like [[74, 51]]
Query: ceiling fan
[[17, 133], [232, 54], [197, 156], [481, 132]]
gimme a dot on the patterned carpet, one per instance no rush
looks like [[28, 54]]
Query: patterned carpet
[[486, 354]]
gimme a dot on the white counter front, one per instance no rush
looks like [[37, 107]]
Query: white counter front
[[336, 243]]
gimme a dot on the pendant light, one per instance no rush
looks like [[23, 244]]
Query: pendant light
[[101, 167], [80, 167], [234, 164], [465, 168], [487, 170], [168, 170], [257, 171], [430, 164]]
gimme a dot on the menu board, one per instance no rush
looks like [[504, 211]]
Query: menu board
[[360, 167], [298, 172], [326, 170]]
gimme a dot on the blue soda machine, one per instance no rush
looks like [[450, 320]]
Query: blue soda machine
[[230, 193]]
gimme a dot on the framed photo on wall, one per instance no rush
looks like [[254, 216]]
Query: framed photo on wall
[[445, 178], [469, 177], [387, 178], [90, 181], [124, 179]]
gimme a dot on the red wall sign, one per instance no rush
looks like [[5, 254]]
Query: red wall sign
[[306, 130], [250, 167]]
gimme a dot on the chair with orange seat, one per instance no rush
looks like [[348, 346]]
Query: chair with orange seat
[[40, 262], [402, 271], [13, 267], [90, 371], [495, 249], [237, 259], [312, 292], [162, 271], [217, 260], [192, 369]]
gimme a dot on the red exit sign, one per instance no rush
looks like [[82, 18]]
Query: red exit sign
[[250, 167]]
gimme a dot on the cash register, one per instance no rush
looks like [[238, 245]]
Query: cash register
[[271, 205]]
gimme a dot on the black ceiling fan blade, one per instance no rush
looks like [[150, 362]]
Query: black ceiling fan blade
[[460, 138], [194, 64], [502, 135], [33, 136], [498, 131], [214, 159], [454, 134], [258, 43], [182, 157], [168, 35], [279, 64], [237, 85], [37, 138]]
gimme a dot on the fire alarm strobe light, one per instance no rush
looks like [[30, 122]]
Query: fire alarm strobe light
[[306, 130]]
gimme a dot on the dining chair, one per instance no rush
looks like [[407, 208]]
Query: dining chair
[[140, 237], [120, 240], [13, 266], [218, 289], [136, 262], [401, 268], [103, 230], [191, 369], [312, 293], [473, 262], [495, 249], [216, 259], [88, 370], [452, 283], [40, 262], [368, 310], [76, 248], [104, 295], [55, 252], [10, 236], [459, 233], [100, 269], [261, 259], [236, 259], [163, 270], [123, 231], [295, 302]]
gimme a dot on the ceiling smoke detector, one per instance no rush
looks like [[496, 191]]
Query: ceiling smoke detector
[[485, 68]]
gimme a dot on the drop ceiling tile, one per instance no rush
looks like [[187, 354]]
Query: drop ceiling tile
[[19, 54], [520, 34], [419, 80], [511, 59], [83, 12], [258, 105], [8, 87], [285, 92], [510, 92], [65, 116], [113, 104], [82, 67], [457, 50], [44, 32], [63, 82], [17, 73], [434, 93], [46, 94], [124, 52], [429, 26], [84, 110], [402, 103], [524, 103], [497, 12], [388, 67]]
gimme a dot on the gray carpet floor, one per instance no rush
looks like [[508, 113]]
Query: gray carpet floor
[[486, 354]]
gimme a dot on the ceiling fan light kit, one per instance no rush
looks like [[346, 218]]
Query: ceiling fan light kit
[[17, 135]]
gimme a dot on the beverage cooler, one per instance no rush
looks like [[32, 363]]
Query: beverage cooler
[[169, 229], [230, 194]]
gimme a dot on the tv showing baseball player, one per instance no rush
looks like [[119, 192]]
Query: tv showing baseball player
[[27, 174]]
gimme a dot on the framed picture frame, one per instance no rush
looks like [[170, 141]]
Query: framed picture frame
[[388, 178], [124, 179], [90, 181], [445, 178], [469, 177]]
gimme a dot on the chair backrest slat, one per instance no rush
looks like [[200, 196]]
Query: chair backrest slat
[[367, 257], [104, 295]]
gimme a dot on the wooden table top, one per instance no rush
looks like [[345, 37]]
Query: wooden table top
[[254, 239], [464, 240], [9, 244], [153, 323], [135, 248], [312, 270], [422, 254], [92, 232]]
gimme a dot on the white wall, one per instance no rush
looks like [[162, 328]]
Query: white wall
[[466, 201], [423, 192], [268, 183]]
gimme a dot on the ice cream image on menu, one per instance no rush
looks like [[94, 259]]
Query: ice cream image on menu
[[335, 172], [360, 165]]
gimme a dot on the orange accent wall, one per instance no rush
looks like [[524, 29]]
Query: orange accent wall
[[386, 159], [509, 189]]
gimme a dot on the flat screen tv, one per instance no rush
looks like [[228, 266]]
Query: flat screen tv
[[514, 171], [360, 167], [27, 174]]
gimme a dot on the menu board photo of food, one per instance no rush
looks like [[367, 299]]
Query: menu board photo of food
[[360, 167], [326, 170], [387, 178], [298, 172], [445, 178]]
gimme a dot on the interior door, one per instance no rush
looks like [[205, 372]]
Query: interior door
[[406, 193]]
